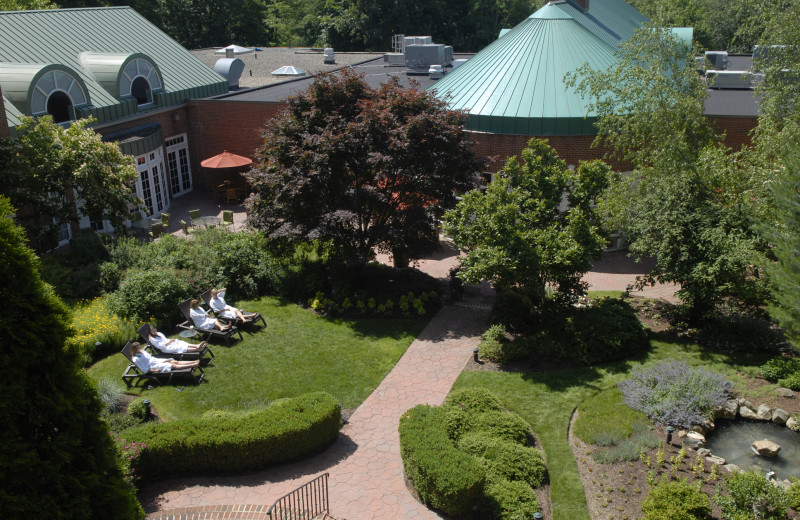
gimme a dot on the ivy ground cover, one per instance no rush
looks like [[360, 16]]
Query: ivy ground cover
[[298, 352]]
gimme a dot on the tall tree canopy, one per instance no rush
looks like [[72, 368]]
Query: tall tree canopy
[[56, 457], [360, 168], [519, 235], [46, 162], [689, 202]]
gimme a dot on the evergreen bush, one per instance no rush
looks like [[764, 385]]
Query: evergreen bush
[[676, 500], [505, 459], [511, 500], [56, 457], [147, 295], [750, 495], [779, 368]]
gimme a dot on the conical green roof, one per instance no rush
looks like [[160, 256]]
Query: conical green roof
[[516, 84]]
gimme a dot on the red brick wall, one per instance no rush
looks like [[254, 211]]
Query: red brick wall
[[737, 129], [217, 125]]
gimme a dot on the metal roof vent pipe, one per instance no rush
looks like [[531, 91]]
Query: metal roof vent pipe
[[583, 4], [328, 57], [229, 53], [230, 69]]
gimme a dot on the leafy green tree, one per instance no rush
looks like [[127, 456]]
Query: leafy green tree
[[47, 168], [25, 5], [57, 459], [362, 169], [784, 266], [689, 202], [519, 235]]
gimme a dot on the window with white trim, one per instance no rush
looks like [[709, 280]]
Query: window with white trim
[[57, 93], [139, 79], [151, 185]]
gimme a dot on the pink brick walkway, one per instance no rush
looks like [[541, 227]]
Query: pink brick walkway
[[366, 472]]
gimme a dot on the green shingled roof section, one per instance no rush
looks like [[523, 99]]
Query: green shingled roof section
[[59, 36], [516, 84]]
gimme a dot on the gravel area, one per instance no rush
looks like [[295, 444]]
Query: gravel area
[[258, 66]]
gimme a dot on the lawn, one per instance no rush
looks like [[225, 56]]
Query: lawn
[[298, 352], [547, 399]]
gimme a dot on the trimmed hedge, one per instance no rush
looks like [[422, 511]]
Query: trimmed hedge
[[509, 460], [445, 478], [511, 500], [219, 441]]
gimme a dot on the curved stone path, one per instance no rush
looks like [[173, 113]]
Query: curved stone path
[[366, 473]]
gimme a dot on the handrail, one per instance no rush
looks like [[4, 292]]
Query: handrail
[[305, 502]]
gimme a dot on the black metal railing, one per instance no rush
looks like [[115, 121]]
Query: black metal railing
[[304, 503]]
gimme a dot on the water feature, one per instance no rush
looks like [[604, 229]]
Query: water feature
[[732, 441]]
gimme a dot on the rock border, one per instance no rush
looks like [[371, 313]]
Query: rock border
[[733, 409]]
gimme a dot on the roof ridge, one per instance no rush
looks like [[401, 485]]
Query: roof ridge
[[37, 11]]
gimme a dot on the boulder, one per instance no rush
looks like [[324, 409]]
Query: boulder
[[713, 459], [766, 448], [780, 416], [695, 440], [732, 468], [793, 424], [681, 434], [748, 413], [727, 410], [764, 412], [784, 392], [702, 452]]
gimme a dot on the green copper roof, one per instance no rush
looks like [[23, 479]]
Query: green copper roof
[[515, 85], [96, 47]]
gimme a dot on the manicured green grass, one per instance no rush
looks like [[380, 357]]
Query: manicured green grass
[[298, 352], [606, 413], [605, 294], [546, 400]]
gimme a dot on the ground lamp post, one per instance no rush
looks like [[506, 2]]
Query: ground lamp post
[[670, 430], [475, 354], [537, 516]]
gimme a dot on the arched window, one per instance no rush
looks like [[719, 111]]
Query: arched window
[[139, 79], [57, 93]]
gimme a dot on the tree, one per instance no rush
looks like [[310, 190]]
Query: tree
[[47, 169], [784, 267], [57, 459], [517, 233], [362, 169], [689, 202]]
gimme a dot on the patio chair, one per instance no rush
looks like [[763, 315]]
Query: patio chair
[[227, 219], [133, 375], [231, 196], [206, 296], [185, 227], [185, 307], [165, 220], [194, 214], [144, 333], [156, 230]]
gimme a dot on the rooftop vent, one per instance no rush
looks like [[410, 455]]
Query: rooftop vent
[[435, 72], [423, 56], [394, 59], [328, 57], [732, 79], [718, 59], [288, 70], [230, 69]]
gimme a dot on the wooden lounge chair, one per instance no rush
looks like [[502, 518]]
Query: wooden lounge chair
[[144, 333], [206, 296], [185, 307], [133, 374]]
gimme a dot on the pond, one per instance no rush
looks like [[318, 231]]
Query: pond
[[732, 441]]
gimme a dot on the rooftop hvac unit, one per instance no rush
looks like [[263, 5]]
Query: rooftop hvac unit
[[732, 79], [394, 59], [448, 55], [718, 59], [765, 55], [435, 72], [417, 40], [231, 69], [328, 57], [458, 63], [423, 56]]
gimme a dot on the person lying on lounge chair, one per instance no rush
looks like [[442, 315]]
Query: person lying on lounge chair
[[223, 309], [148, 363], [172, 346], [202, 319]]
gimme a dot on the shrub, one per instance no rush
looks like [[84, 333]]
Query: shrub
[[674, 393], [146, 295], [126, 252], [676, 500], [93, 323], [779, 368], [474, 400], [496, 332], [110, 277], [791, 381], [508, 460], [749, 492], [285, 430], [445, 478], [627, 449], [793, 494], [243, 265], [110, 393], [138, 409], [502, 424], [511, 500]]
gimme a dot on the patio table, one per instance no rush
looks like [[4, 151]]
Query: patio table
[[208, 221]]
